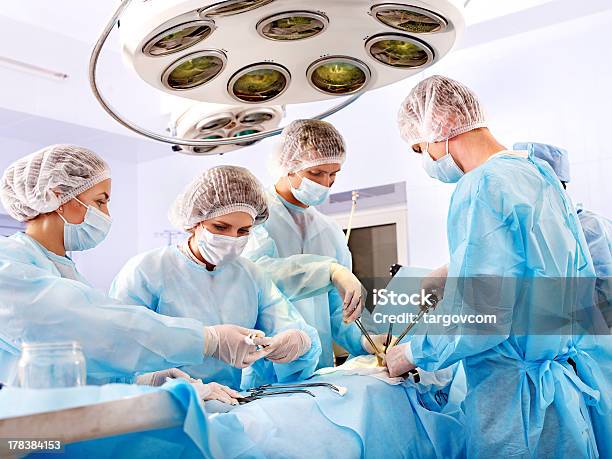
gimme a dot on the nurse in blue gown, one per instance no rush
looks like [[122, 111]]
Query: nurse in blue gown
[[62, 192], [205, 278]]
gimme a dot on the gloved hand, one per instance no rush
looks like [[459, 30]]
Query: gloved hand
[[435, 281], [232, 344], [396, 361], [353, 293], [158, 378], [379, 340], [286, 346], [215, 391]]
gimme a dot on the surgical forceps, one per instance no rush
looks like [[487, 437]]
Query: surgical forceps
[[258, 395], [389, 337], [265, 390], [334, 388], [367, 336]]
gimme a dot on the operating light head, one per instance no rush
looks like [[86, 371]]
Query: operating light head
[[212, 121], [260, 51]]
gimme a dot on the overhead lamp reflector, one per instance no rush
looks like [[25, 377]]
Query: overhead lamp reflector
[[259, 83], [207, 149], [194, 70], [400, 51], [242, 132], [231, 7], [215, 123], [292, 26], [178, 38], [410, 19], [338, 75], [256, 116]]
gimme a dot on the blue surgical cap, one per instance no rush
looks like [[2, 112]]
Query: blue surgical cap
[[558, 158]]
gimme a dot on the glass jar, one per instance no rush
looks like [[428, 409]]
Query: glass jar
[[51, 365]]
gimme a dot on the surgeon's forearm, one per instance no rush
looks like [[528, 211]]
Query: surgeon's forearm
[[150, 342], [346, 335], [299, 276], [349, 337], [434, 352], [117, 340]]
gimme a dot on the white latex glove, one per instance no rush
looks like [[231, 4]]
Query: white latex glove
[[215, 391], [379, 340], [396, 361], [232, 344], [158, 378], [435, 281], [353, 293], [286, 346]]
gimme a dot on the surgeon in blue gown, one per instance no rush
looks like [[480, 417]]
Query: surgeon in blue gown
[[594, 350], [304, 251], [205, 278], [516, 252], [62, 192]]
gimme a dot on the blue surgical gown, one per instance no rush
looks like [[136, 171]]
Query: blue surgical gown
[[594, 352], [296, 247], [510, 221], [240, 293], [598, 233], [38, 304]]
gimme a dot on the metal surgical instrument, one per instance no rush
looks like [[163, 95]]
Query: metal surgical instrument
[[256, 393], [389, 337], [367, 335], [422, 312], [334, 388], [261, 394]]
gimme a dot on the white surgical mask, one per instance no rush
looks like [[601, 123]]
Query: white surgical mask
[[444, 169], [90, 233], [310, 193], [218, 249]]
